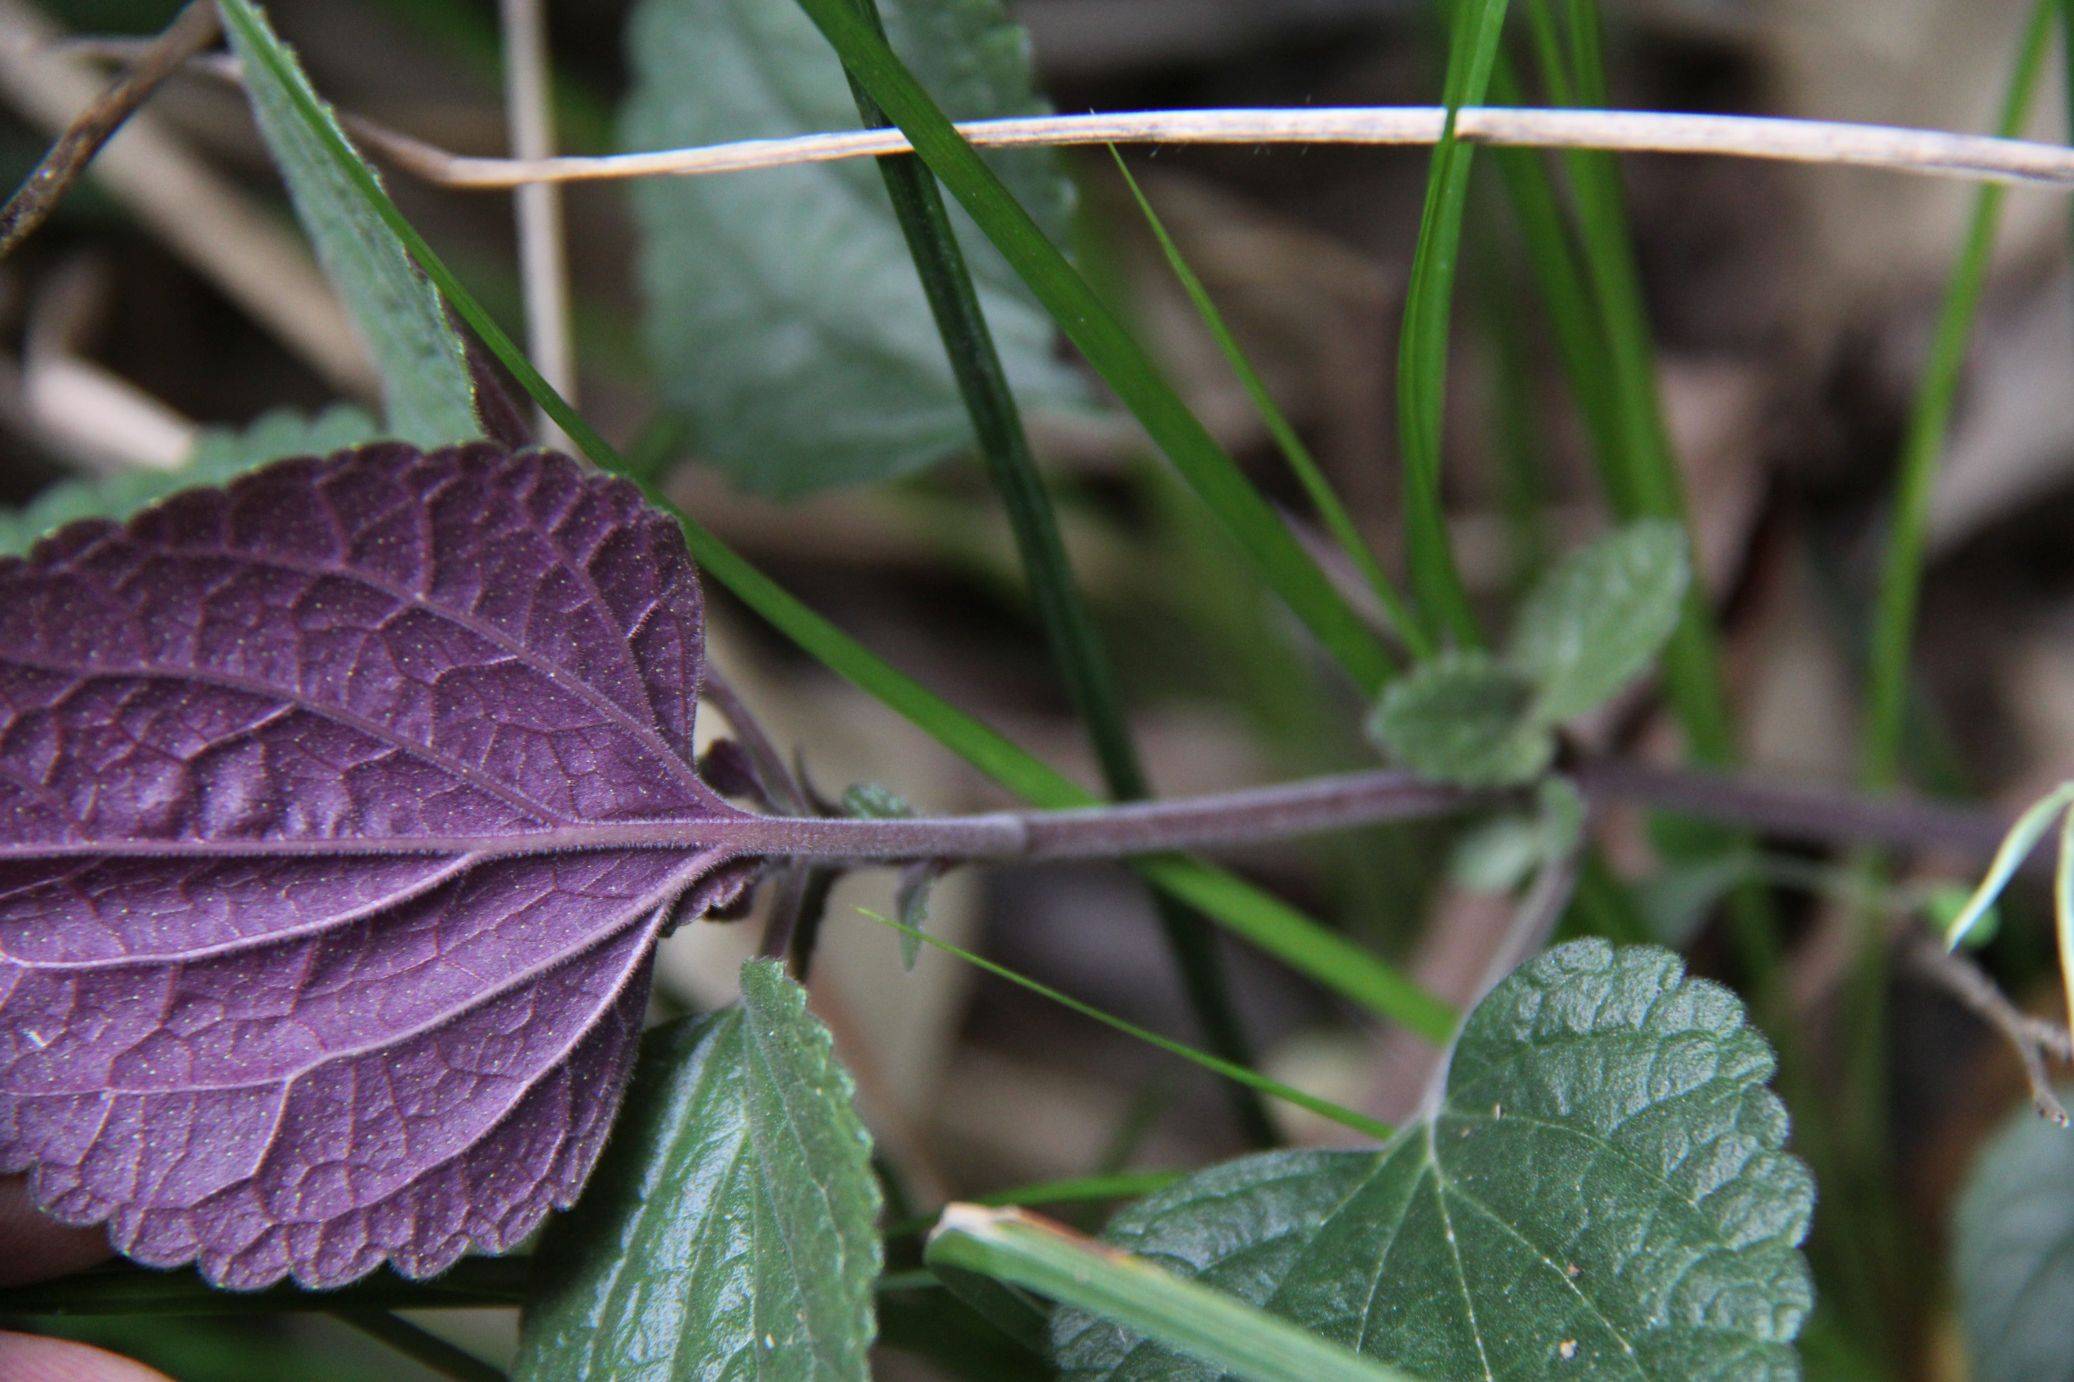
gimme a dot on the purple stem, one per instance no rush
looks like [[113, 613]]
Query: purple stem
[[1250, 816]]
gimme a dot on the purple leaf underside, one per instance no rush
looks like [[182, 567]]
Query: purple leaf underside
[[315, 951]]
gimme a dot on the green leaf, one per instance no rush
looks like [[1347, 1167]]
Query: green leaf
[[730, 1226], [2013, 1257], [1602, 1189], [220, 454], [784, 315], [426, 391], [1198, 1322], [1599, 618], [1464, 717]]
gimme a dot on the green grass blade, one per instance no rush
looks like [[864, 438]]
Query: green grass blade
[[420, 1345], [1239, 1074], [1124, 1185], [1477, 26], [2016, 847], [1205, 1324], [1866, 1063], [1592, 287], [1648, 484], [1331, 511], [1108, 345], [1901, 577], [1300, 942], [1077, 650]]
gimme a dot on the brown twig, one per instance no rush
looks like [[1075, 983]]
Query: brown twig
[[2033, 1040], [1935, 153], [194, 29]]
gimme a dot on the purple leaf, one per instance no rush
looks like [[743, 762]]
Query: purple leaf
[[339, 813]]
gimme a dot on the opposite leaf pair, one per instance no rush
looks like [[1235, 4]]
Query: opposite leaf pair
[[1592, 625]]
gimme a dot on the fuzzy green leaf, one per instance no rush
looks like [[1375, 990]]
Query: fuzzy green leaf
[[784, 315], [2014, 1254], [426, 391], [220, 454], [1464, 717], [730, 1227], [1599, 618], [1602, 1190]]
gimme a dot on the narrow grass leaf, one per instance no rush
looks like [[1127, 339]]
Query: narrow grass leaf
[[1901, 574], [1239, 1074], [1429, 306], [1221, 1331], [731, 1225], [2016, 847], [1108, 345], [1069, 629], [428, 1350], [1331, 511], [426, 392]]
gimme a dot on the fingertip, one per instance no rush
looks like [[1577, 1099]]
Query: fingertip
[[32, 1358]]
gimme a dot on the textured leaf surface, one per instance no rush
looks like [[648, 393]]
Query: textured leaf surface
[[323, 923], [426, 391], [1600, 617], [784, 313], [1466, 718], [2014, 1255], [220, 453], [1602, 1191], [730, 1229]]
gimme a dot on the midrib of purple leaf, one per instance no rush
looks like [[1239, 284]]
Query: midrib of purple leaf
[[339, 813]]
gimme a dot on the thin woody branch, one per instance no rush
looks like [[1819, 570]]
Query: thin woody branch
[[194, 29], [2032, 1040]]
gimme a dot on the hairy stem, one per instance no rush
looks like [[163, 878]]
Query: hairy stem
[[1250, 816]]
